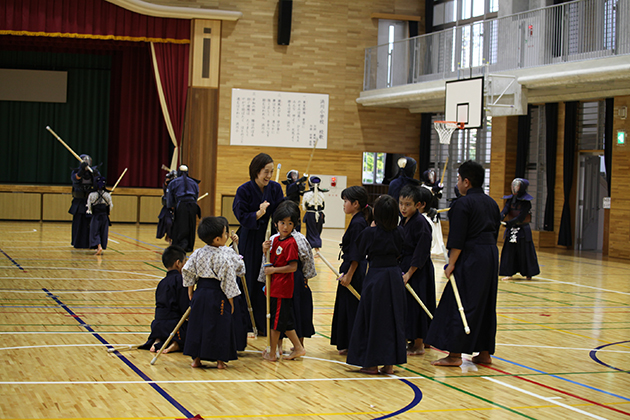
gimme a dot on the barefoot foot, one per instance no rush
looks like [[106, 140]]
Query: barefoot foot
[[506, 278], [173, 347], [343, 352], [482, 358], [221, 365], [296, 353], [196, 364], [267, 357], [448, 361], [369, 370], [99, 250], [413, 351], [387, 370]]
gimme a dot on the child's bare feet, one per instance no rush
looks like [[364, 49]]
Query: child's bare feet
[[416, 348], [99, 250], [266, 356], [387, 370], [221, 365], [173, 347], [154, 346], [506, 278], [373, 370], [296, 353], [343, 352], [196, 363], [413, 351], [483, 357], [453, 359]]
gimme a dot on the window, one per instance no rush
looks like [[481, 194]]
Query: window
[[373, 167], [473, 144]]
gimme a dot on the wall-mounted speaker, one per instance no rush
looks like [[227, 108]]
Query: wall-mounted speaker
[[285, 8]]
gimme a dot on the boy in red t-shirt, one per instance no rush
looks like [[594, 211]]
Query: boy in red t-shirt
[[284, 262]]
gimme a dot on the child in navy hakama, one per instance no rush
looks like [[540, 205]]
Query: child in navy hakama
[[474, 261], [416, 263], [378, 336], [518, 254], [213, 268], [99, 204], [352, 268], [171, 303]]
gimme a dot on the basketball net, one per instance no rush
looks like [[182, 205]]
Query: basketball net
[[445, 129]]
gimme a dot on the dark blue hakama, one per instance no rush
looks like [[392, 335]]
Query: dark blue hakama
[[210, 334], [417, 236], [346, 304], [474, 226], [378, 336]]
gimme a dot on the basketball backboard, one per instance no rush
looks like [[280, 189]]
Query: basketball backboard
[[464, 102]]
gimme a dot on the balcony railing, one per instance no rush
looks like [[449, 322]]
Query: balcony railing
[[575, 31]]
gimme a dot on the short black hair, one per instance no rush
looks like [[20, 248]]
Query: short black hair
[[386, 212], [258, 163], [472, 171], [212, 227], [411, 191], [173, 254], [286, 209]]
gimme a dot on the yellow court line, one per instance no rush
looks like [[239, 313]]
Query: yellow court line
[[562, 331]]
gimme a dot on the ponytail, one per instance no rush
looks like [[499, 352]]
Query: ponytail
[[360, 195]]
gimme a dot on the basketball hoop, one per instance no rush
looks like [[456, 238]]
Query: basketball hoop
[[445, 129]]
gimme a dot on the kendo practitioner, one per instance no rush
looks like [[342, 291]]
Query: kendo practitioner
[[181, 196], [82, 185], [429, 181], [406, 171], [313, 204], [165, 218], [474, 261], [254, 204], [294, 187], [518, 254]]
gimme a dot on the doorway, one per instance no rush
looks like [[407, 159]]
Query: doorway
[[592, 189]]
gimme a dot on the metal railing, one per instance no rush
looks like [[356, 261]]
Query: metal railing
[[575, 31]]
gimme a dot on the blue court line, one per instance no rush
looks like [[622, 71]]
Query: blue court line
[[417, 397], [133, 367], [593, 354], [564, 379], [137, 240], [12, 260]]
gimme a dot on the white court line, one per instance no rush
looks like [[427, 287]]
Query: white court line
[[388, 377], [74, 279], [111, 240], [100, 270], [211, 381], [583, 285], [548, 399], [74, 332], [77, 291], [562, 348]]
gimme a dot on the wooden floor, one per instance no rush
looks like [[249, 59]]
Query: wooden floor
[[563, 345]]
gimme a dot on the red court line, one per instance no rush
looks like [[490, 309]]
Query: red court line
[[556, 389], [139, 246]]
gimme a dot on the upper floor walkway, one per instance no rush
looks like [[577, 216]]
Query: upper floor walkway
[[573, 51]]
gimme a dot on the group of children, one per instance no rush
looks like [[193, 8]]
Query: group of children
[[387, 324], [217, 328]]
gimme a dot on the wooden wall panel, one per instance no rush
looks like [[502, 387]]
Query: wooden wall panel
[[619, 227], [150, 208], [55, 207], [20, 206], [125, 209]]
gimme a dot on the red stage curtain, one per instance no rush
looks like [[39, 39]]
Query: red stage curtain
[[138, 138], [172, 61], [95, 19]]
